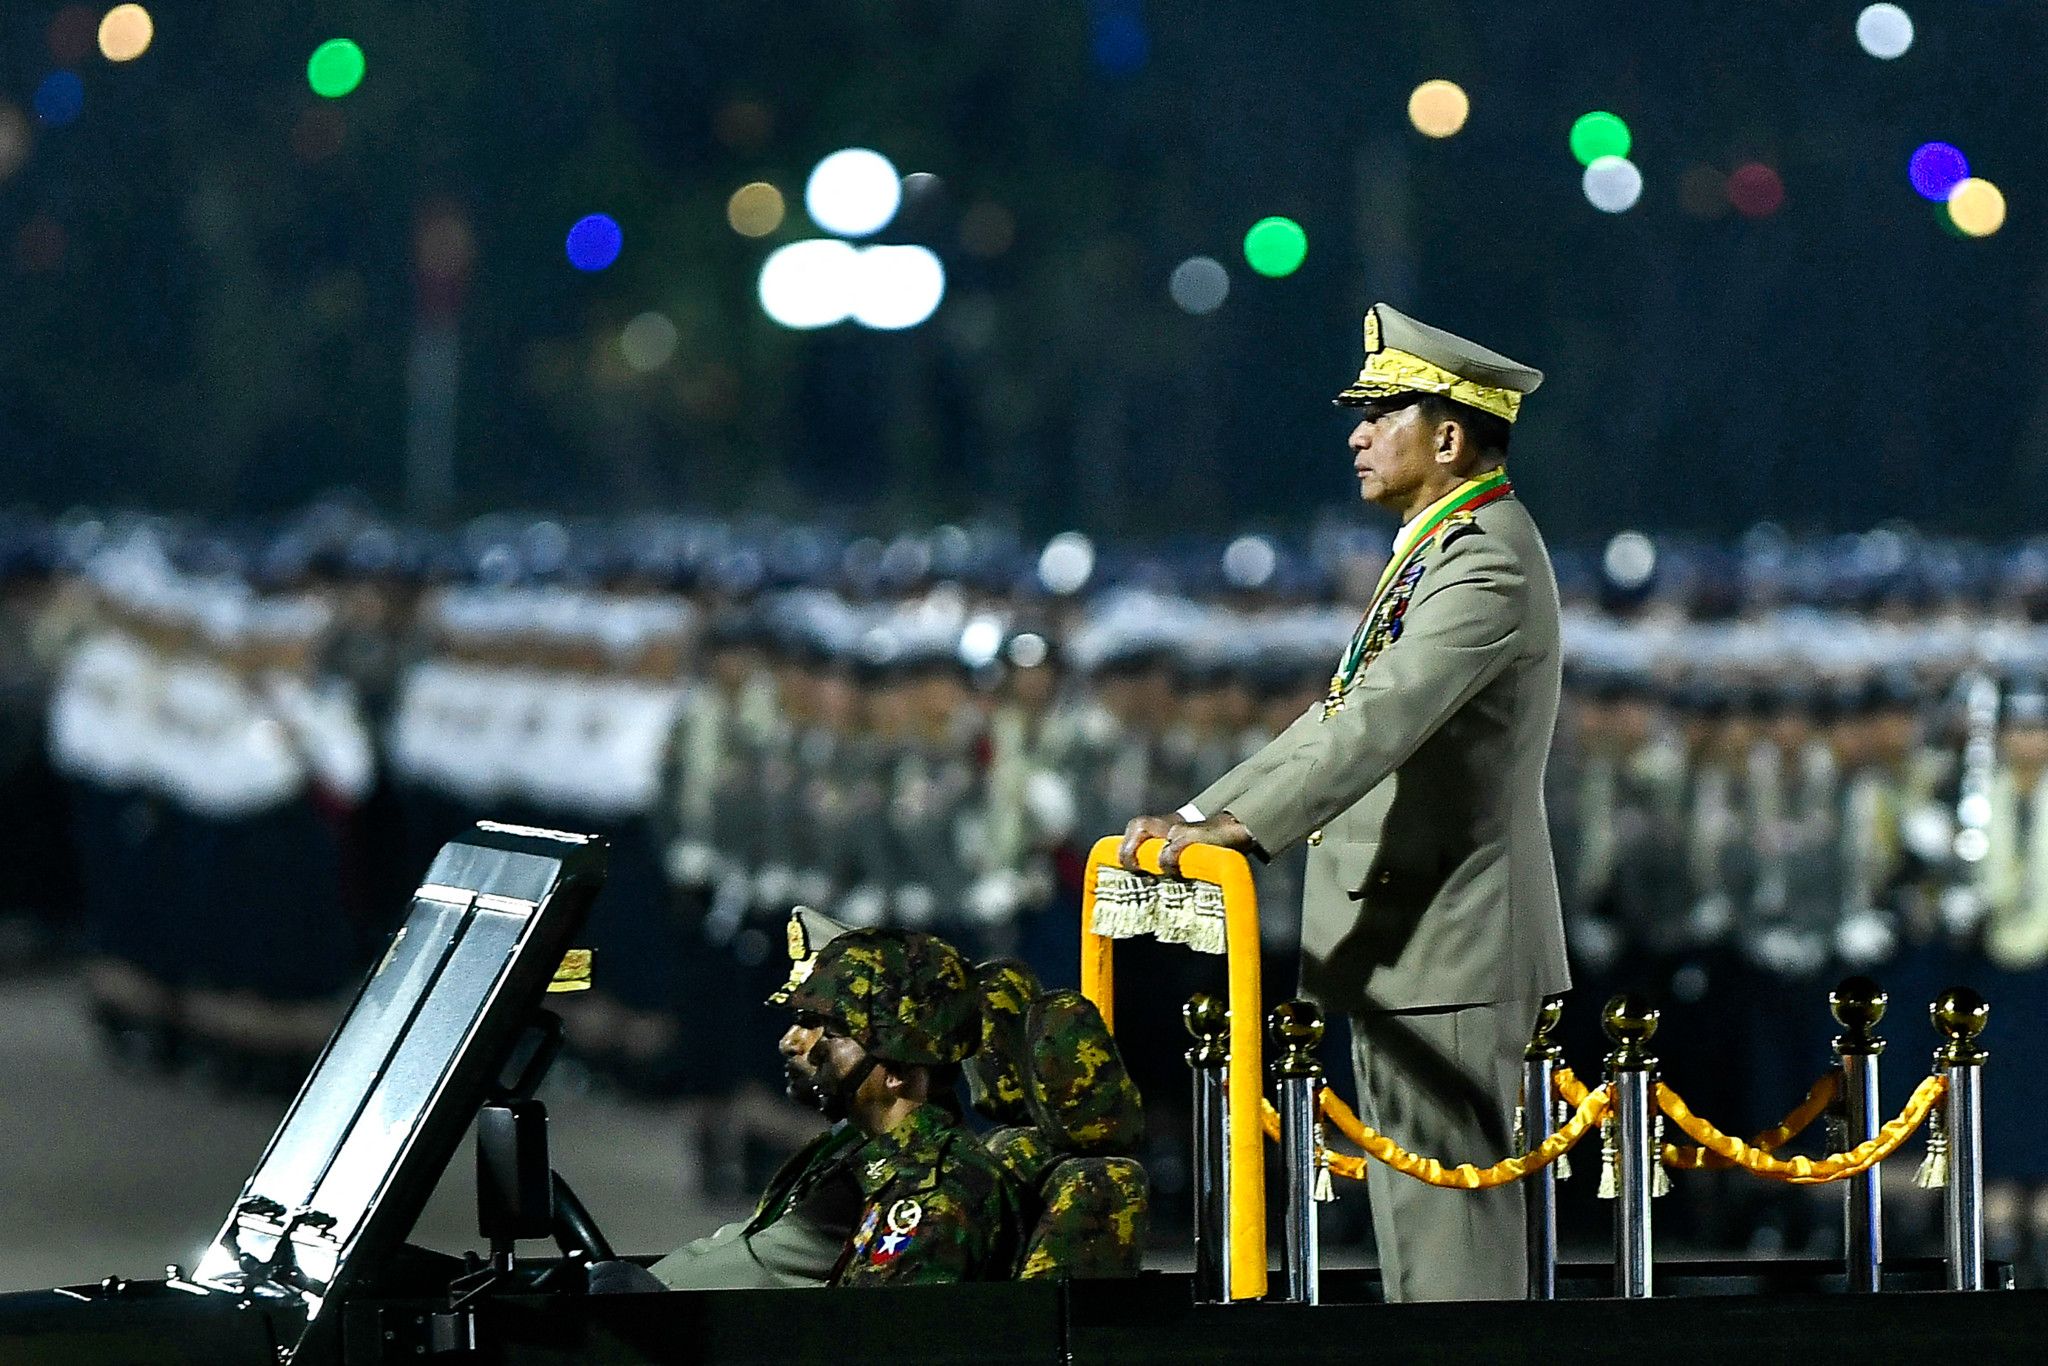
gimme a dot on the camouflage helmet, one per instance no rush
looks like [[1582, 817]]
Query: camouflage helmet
[[903, 995], [1080, 1094], [995, 1075]]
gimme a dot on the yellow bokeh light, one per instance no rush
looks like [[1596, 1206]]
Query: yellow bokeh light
[[1439, 108], [125, 33], [1976, 207], [755, 210]]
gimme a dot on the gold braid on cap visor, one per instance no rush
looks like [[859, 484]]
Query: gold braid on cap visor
[[1390, 372]]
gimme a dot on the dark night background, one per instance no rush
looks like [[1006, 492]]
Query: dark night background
[[210, 278]]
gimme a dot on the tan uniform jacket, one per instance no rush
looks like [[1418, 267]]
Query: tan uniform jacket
[[1431, 881]]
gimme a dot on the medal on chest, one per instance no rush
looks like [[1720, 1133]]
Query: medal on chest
[[1384, 617]]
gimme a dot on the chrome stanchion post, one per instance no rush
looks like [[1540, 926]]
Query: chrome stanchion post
[[1208, 1020], [1539, 1079], [1858, 1004], [1296, 1028], [1631, 1069], [1961, 1014]]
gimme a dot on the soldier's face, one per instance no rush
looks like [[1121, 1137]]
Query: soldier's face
[[1392, 452], [799, 1069]]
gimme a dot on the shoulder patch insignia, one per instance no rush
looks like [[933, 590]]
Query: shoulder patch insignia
[[1456, 525]]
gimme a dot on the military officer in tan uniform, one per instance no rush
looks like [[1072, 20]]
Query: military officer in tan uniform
[[1430, 907]]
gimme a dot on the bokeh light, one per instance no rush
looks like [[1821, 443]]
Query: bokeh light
[[595, 242], [335, 68], [1756, 190], [648, 342], [854, 192], [125, 33], [70, 34], [897, 287], [1066, 563], [755, 210], [60, 99], [1884, 31], [1275, 246], [1935, 168], [14, 140], [1612, 184], [1439, 108], [1977, 207], [1120, 43], [810, 283], [1599, 134], [1629, 560], [1199, 285]]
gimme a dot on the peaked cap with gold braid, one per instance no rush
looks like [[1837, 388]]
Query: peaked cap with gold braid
[[1403, 356]]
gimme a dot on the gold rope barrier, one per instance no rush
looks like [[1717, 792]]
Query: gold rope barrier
[[1591, 1110], [1807, 1171], [1770, 1140]]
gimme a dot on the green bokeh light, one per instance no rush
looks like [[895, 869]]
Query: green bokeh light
[[335, 68], [1275, 247], [1599, 134]]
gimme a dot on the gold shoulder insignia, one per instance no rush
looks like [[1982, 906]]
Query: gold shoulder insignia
[[1456, 525]]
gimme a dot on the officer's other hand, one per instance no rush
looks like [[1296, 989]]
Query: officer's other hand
[[1221, 829], [1140, 829]]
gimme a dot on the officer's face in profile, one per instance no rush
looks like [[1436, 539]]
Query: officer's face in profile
[[1393, 450], [799, 1070]]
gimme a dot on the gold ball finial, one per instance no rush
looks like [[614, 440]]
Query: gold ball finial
[[1858, 1004], [1208, 1021], [1296, 1028], [1631, 1022], [1960, 1014], [1543, 1042]]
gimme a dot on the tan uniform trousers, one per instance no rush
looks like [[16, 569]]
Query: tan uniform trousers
[[790, 1254], [1443, 1083]]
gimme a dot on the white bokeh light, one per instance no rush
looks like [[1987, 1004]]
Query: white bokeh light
[[1199, 285], [981, 640], [1249, 562], [897, 287], [1066, 563], [648, 341], [854, 192], [1630, 560], [1612, 184], [811, 283], [1884, 31]]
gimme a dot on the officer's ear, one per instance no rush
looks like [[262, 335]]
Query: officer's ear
[[905, 1083]]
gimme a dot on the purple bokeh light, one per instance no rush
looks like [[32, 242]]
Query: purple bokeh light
[[1935, 169]]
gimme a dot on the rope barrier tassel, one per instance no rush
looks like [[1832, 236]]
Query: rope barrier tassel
[[1933, 1173]]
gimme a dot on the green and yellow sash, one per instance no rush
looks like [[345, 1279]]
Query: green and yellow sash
[[1465, 499]]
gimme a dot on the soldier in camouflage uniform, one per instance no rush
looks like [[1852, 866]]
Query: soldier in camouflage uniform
[[896, 1192], [1087, 1201]]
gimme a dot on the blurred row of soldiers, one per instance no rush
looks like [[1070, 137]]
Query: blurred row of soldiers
[[1747, 801]]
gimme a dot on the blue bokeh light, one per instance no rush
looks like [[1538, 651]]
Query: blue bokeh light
[[1120, 43], [595, 242], [60, 98], [1935, 169]]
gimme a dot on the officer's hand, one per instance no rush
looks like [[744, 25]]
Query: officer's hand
[[1221, 829], [1140, 829]]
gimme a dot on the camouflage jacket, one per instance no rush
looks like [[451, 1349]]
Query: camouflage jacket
[[938, 1208]]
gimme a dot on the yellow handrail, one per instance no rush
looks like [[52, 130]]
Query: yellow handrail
[[1246, 1158]]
